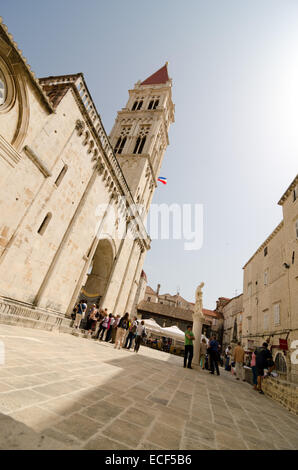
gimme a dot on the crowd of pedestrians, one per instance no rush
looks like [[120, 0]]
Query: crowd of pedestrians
[[233, 361], [123, 332]]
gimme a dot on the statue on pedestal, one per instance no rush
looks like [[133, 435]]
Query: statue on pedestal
[[199, 300]]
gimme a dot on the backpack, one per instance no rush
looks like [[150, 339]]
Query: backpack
[[144, 334]]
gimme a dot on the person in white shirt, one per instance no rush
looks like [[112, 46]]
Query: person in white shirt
[[140, 333], [228, 352]]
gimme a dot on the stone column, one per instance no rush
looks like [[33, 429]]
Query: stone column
[[134, 244], [133, 287], [197, 323]]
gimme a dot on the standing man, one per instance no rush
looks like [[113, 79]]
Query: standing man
[[103, 315], [140, 334], [114, 328], [132, 333], [239, 361], [110, 326], [188, 346], [203, 352], [82, 307], [213, 355], [228, 358], [264, 360], [121, 330]]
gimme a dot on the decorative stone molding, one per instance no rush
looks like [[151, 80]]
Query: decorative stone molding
[[24, 109], [37, 161], [8, 153], [11, 43], [7, 71], [80, 126]]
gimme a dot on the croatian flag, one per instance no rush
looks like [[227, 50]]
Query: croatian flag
[[162, 179]]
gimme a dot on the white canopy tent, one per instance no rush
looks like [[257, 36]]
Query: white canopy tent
[[170, 332], [173, 332], [151, 325]]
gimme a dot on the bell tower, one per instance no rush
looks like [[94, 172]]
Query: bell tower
[[140, 134]]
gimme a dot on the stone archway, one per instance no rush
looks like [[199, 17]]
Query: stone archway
[[99, 272]]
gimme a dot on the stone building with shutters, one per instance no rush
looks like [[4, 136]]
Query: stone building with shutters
[[270, 290], [232, 311], [72, 199]]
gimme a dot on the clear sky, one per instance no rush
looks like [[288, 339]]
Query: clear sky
[[234, 145]]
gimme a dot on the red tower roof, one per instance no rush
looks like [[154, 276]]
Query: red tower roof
[[161, 76]]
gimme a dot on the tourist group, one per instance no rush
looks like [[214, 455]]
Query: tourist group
[[234, 360], [121, 331]]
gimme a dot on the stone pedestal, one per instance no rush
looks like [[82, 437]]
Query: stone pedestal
[[197, 331], [198, 323]]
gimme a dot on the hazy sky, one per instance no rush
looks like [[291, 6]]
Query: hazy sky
[[234, 145]]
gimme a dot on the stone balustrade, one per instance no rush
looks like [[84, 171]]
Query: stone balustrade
[[25, 315]]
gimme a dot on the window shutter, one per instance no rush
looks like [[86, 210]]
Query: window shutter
[[266, 321], [276, 310]]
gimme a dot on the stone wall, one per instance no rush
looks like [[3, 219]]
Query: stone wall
[[285, 393]]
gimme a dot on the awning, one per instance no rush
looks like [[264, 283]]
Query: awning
[[172, 332]]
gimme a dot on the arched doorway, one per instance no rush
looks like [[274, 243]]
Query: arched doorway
[[99, 272]]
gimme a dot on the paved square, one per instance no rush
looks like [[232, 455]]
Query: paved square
[[58, 391]]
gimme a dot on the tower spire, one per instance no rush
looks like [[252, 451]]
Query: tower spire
[[161, 76]]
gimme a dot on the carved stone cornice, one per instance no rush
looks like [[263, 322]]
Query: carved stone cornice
[[8, 153]]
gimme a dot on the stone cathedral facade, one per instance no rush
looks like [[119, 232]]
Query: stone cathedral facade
[[60, 174]]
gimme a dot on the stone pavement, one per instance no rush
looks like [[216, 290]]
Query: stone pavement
[[59, 391]]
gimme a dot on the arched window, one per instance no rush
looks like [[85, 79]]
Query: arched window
[[122, 139], [139, 144], [137, 104], [61, 175], [280, 363], [44, 224], [3, 89], [90, 267], [153, 104], [120, 144]]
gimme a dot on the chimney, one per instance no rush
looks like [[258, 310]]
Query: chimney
[[158, 289]]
